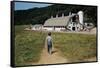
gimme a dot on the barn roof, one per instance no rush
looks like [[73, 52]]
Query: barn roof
[[58, 21]]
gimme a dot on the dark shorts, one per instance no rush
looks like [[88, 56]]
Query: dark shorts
[[49, 48]]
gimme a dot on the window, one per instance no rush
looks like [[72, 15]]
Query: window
[[88, 24], [73, 19], [69, 26]]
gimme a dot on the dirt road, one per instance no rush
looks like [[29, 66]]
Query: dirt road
[[55, 57]]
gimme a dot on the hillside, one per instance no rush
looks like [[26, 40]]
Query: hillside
[[39, 15]]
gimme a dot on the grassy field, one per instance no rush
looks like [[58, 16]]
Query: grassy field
[[74, 47], [28, 46]]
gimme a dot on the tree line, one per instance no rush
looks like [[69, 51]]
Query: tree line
[[39, 15]]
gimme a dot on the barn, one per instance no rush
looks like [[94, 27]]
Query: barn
[[72, 22]]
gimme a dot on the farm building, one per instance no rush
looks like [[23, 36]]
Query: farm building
[[73, 22], [37, 27]]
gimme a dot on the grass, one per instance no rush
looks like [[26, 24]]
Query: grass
[[75, 47], [28, 46]]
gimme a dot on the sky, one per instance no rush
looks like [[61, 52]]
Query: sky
[[27, 5]]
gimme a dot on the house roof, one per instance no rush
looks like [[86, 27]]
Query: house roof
[[58, 21]]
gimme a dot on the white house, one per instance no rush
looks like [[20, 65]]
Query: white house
[[37, 27]]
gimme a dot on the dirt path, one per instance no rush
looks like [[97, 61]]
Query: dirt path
[[55, 58], [51, 59]]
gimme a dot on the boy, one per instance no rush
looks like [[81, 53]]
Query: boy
[[49, 43]]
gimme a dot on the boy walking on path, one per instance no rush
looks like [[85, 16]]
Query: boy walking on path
[[49, 43]]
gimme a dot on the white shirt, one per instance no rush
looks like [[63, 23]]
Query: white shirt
[[49, 40]]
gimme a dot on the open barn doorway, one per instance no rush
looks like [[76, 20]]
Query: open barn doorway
[[73, 28]]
